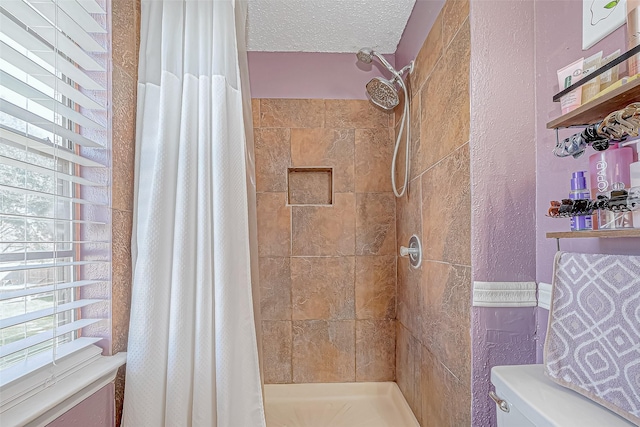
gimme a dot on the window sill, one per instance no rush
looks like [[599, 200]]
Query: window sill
[[48, 404]]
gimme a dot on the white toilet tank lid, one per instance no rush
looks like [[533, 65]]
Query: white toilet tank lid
[[546, 403]]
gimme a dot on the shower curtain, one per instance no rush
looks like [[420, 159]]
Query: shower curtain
[[192, 353]]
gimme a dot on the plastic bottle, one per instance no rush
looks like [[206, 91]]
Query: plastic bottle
[[606, 168], [579, 191]]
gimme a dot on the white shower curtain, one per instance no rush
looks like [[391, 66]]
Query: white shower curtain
[[192, 354]]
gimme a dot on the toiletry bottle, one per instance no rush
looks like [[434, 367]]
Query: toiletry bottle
[[579, 192], [605, 169], [634, 179]]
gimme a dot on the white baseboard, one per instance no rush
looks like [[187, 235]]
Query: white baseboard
[[544, 295], [504, 294]]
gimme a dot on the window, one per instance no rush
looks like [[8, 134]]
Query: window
[[54, 182]]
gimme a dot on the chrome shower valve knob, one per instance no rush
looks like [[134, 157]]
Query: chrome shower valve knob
[[414, 251], [404, 251]]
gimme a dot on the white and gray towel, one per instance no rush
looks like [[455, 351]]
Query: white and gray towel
[[593, 340]]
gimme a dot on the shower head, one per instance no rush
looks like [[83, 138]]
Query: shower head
[[383, 93], [365, 55]]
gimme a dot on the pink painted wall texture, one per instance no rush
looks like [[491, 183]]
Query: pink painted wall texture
[[503, 172], [304, 75]]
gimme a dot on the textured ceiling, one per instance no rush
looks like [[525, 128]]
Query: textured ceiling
[[326, 25]]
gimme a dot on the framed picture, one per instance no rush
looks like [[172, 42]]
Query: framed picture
[[600, 18]]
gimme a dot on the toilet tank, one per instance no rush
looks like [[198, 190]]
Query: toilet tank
[[529, 399]]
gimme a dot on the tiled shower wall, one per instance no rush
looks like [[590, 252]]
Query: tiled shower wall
[[433, 332], [327, 273]]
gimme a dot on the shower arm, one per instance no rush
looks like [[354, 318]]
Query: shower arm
[[386, 63], [396, 74], [408, 67]]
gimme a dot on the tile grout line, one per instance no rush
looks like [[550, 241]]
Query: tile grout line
[[291, 213]]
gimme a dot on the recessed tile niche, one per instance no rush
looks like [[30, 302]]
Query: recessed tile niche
[[310, 186]]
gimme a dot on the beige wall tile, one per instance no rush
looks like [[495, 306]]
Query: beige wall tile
[[373, 154], [435, 386], [255, 112], [325, 231], [446, 296], [375, 224], [323, 351], [326, 147], [375, 350], [445, 103], [323, 288], [356, 114], [275, 288], [408, 357], [439, 388], [276, 350], [291, 113], [428, 56], [273, 158], [323, 238], [409, 214], [274, 224], [446, 215], [410, 310], [405, 369], [376, 287], [454, 13]]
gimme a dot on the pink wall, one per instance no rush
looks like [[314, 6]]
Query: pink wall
[[501, 336], [558, 36], [422, 17], [542, 322], [503, 176], [308, 75], [97, 410]]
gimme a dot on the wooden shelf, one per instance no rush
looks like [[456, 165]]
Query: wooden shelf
[[629, 232], [597, 109]]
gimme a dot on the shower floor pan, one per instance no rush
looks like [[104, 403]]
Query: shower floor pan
[[337, 405]]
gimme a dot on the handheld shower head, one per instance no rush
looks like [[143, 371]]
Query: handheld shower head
[[383, 93]]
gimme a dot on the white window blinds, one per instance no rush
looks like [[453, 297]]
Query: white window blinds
[[54, 181]]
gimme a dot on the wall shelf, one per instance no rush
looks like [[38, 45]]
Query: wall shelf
[[629, 232], [597, 109]]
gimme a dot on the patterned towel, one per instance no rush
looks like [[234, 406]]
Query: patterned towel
[[593, 340]]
